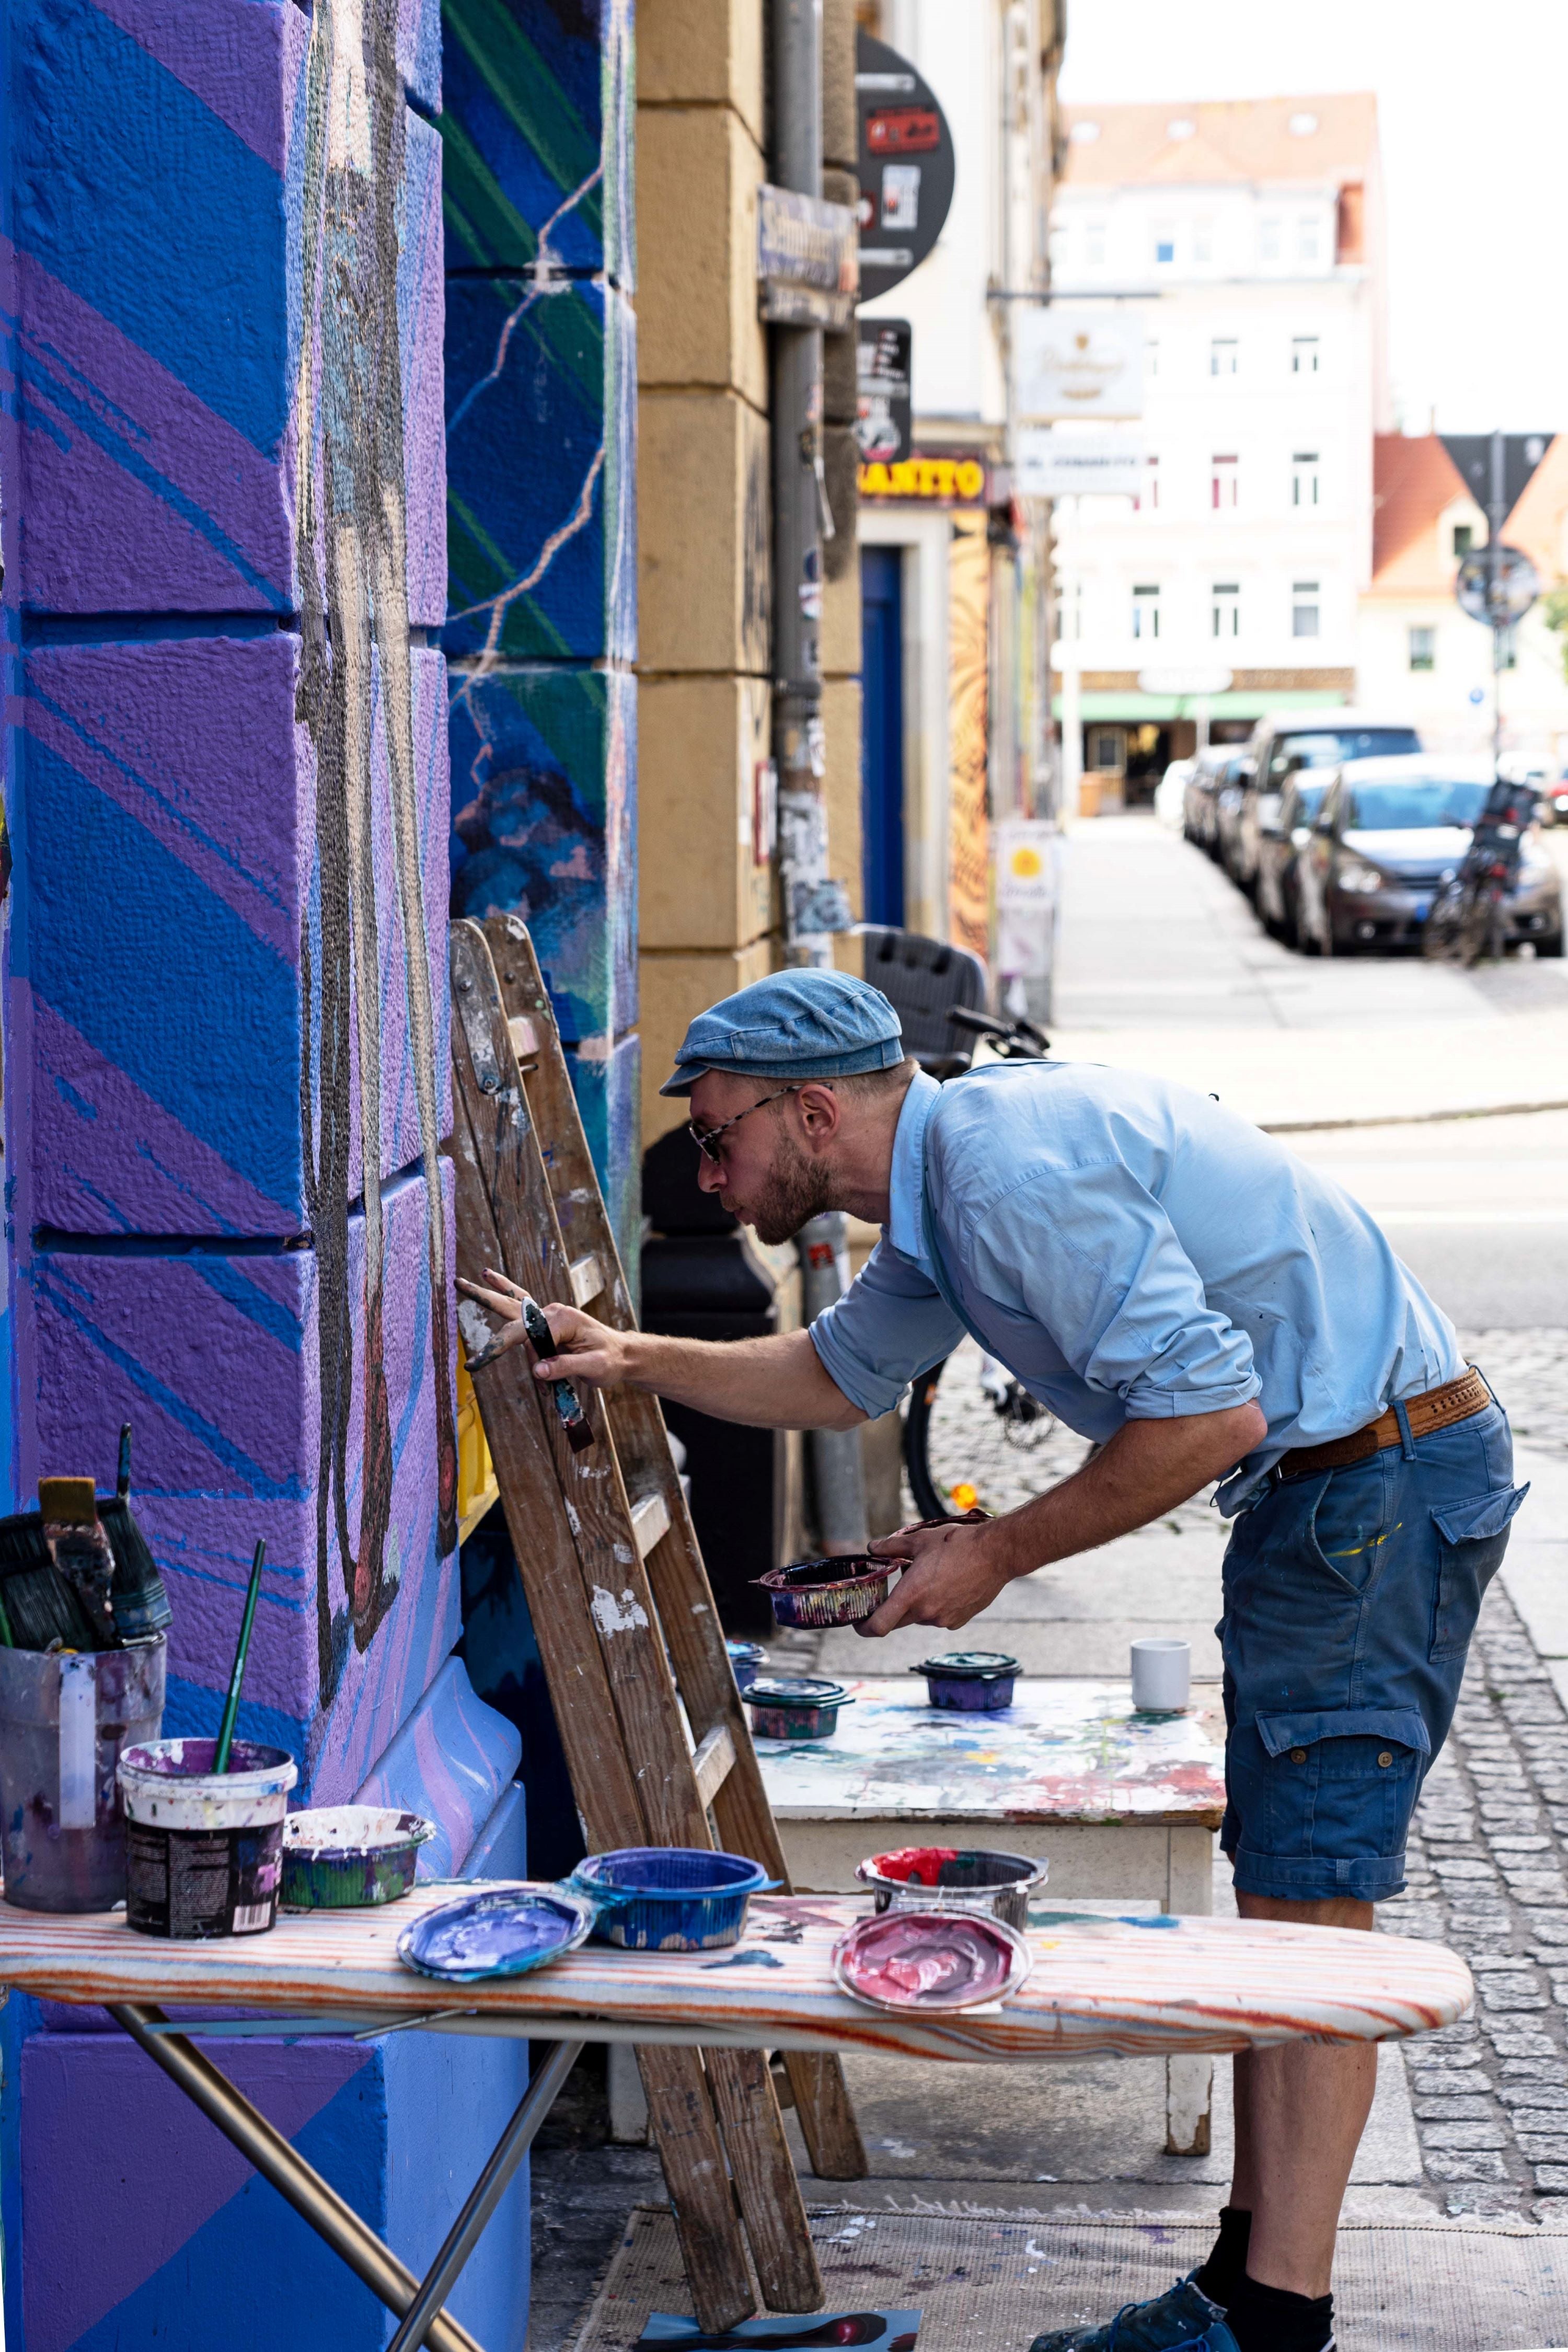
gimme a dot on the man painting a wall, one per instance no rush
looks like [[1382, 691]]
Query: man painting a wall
[[1175, 1286]]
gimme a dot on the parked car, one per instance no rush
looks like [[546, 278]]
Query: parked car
[[1389, 835], [1171, 795], [1229, 787], [1554, 801], [1281, 839], [1198, 813], [1281, 744]]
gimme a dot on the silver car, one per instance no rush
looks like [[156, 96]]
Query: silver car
[[1389, 835]]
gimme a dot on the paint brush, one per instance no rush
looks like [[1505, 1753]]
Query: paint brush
[[242, 1650], [542, 1340], [43, 1611], [68, 1510], [140, 1603]]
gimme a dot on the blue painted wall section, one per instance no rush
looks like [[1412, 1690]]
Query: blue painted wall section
[[224, 991], [540, 630]]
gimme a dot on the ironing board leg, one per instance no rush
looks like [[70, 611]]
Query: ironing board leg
[[488, 2191], [270, 2153]]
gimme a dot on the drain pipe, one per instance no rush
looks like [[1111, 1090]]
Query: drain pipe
[[813, 905]]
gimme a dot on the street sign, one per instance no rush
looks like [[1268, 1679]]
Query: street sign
[[807, 260], [1195, 679], [1497, 584], [884, 423], [1025, 851], [905, 162], [1077, 364], [1052, 465]]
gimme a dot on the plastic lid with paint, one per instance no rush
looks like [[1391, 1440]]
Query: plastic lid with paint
[[971, 1665], [795, 1690], [930, 1960], [501, 1933]]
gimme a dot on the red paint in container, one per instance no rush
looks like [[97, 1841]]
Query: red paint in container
[[944, 1877], [930, 1960]]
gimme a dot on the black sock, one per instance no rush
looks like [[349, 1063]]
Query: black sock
[[1271, 2319], [1222, 2274]]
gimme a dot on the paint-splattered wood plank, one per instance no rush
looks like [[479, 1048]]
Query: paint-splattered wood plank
[[1064, 1751], [1135, 1988]]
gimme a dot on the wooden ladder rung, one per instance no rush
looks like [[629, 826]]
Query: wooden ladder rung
[[587, 1278], [713, 1763], [650, 1521], [524, 1041]]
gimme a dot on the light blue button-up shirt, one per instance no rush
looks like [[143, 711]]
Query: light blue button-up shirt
[[1131, 1251]]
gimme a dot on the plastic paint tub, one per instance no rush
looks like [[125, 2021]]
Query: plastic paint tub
[[954, 1878], [747, 1661], [343, 1856], [65, 1722], [204, 1849], [829, 1592], [504, 1932], [795, 1706], [669, 1898], [976, 1682], [930, 1960]]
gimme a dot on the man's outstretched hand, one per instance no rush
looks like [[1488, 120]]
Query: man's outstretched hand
[[585, 1350], [953, 1573]]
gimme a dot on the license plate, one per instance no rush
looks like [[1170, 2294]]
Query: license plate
[[1422, 908]]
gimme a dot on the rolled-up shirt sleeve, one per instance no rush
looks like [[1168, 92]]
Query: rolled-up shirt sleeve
[[1091, 1254], [890, 1324]]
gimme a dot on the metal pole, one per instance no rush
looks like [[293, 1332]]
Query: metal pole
[[1067, 591], [799, 500], [1497, 516], [349, 2237], [486, 2194], [837, 1465]]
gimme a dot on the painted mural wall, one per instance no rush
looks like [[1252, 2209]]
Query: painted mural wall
[[541, 631]]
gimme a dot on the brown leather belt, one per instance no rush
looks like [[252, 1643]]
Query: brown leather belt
[[1437, 1409]]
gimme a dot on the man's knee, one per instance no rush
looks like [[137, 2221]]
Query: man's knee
[[1333, 1911]]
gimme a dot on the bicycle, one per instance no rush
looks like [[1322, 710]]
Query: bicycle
[[1466, 918], [1026, 1426]]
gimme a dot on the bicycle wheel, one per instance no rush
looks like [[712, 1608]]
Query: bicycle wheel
[[967, 1444], [1443, 933], [928, 1504]]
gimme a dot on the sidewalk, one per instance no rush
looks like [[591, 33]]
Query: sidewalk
[[1162, 965]]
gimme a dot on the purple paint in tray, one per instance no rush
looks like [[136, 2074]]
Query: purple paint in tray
[[504, 1932], [974, 1682]]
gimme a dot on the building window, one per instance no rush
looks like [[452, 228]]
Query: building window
[[1507, 646], [1423, 648], [1464, 539], [1222, 353], [1268, 239], [1148, 500], [1094, 244], [1151, 359], [1145, 611], [1303, 355], [1105, 752], [1222, 483], [1304, 478], [1203, 240], [1224, 609], [1164, 242], [1309, 237], [1304, 609]]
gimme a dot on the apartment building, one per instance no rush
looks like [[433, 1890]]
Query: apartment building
[[1247, 239]]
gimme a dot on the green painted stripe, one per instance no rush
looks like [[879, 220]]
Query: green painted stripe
[[524, 88]]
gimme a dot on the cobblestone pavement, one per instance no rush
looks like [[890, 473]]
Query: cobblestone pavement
[[1529, 1369], [1486, 1877]]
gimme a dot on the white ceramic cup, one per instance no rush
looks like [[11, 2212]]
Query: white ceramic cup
[[1161, 1676]]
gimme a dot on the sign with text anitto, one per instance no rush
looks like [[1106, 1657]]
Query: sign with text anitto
[[808, 261], [1069, 362], [953, 478]]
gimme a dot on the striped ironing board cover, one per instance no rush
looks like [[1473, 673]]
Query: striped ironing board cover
[[1097, 1985]]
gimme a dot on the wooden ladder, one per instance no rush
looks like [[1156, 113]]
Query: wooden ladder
[[654, 1732]]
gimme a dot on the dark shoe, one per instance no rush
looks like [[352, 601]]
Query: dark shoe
[[1183, 2320]]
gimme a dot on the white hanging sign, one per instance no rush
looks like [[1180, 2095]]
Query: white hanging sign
[[1086, 362]]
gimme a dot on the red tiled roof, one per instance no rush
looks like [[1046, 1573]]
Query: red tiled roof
[[1413, 479], [1232, 139]]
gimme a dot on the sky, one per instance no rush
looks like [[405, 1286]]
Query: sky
[[1471, 103]]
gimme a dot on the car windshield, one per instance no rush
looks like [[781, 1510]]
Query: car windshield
[[1308, 800], [1325, 746], [1404, 807]]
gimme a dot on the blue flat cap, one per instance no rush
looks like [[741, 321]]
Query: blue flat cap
[[792, 1025]]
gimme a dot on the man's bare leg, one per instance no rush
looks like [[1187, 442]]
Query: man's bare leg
[[1300, 2110]]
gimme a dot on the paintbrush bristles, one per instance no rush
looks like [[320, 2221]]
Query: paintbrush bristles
[[67, 1502]]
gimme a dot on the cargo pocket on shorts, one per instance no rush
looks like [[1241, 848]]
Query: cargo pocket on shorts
[[1342, 1783], [1472, 1537]]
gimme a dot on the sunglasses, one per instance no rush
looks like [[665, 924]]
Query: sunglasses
[[706, 1139]]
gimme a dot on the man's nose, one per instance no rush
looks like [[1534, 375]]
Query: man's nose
[[710, 1175]]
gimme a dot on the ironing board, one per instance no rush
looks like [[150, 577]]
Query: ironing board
[[1097, 1985]]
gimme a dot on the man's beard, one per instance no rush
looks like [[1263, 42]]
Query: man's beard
[[799, 1190]]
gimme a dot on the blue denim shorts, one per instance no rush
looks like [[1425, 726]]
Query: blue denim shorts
[[1350, 1598]]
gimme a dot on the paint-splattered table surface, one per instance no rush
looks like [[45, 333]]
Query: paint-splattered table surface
[[1064, 1751], [1138, 1987]]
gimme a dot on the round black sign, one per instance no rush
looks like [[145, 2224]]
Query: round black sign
[[906, 165]]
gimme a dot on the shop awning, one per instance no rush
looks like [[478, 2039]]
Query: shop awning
[[1132, 710]]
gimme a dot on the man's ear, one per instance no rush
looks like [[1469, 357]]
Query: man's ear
[[820, 1112]]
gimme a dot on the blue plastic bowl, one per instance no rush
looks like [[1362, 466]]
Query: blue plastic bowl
[[747, 1661], [669, 1898]]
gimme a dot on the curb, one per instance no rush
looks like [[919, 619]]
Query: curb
[[1405, 1118]]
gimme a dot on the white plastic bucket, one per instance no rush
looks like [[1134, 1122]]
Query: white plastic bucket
[[204, 1850]]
